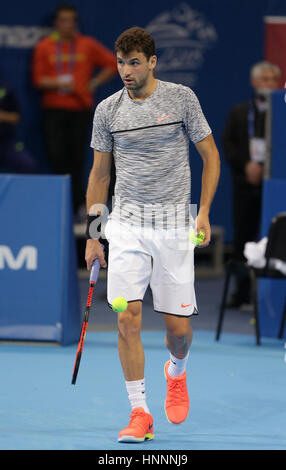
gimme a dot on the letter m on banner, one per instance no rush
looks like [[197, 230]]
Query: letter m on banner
[[27, 256]]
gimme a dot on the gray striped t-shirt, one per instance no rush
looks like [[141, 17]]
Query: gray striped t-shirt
[[150, 144]]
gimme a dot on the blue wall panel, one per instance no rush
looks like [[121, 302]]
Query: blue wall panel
[[39, 298]]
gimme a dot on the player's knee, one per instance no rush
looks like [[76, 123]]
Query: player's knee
[[179, 339], [178, 327], [129, 322]]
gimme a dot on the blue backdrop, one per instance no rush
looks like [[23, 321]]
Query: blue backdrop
[[209, 45]]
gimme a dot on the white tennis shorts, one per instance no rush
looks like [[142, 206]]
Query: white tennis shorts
[[162, 258]]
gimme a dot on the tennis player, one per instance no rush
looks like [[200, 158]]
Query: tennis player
[[147, 126]]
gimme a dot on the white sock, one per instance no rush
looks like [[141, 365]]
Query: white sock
[[177, 366], [136, 394]]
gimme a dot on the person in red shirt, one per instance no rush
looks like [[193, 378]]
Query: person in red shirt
[[63, 70]]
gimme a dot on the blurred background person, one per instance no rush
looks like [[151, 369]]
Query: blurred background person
[[14, 158], [64, 65], [244, 149]]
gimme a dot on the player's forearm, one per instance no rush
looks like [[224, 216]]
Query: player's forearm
[[48, 83], [96, 198], [210, 178], [104, 76], [9, 117], [97, 193]]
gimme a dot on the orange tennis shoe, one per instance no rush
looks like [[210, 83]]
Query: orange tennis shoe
[[139, 428], [177, 401]]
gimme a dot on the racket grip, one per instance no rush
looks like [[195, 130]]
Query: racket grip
[[94, 271]]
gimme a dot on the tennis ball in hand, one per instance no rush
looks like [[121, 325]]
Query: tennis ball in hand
[[119, 304], [196, 239]]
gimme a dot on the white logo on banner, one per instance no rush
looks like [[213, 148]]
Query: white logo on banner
[[28, 255], [21, 37], [182, 37]]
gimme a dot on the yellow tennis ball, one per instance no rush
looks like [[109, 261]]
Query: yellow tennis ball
[[196, 239], [119, 304]]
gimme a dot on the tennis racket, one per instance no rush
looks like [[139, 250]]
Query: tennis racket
[[92, 281]]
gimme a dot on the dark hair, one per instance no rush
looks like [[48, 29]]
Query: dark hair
[[137, 39], [65, 7]]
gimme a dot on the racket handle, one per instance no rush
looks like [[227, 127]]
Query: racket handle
[[94, 271]]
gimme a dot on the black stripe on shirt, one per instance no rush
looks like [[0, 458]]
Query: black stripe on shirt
[[148, 127]]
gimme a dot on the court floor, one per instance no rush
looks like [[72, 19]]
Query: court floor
[[237, 395]]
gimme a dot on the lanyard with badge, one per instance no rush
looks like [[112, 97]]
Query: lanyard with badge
[[67, 77], [257, 145]]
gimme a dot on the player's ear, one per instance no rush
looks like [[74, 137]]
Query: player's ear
[[153, 62]]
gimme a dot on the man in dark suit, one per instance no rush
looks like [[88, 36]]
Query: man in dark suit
[[244, 149]]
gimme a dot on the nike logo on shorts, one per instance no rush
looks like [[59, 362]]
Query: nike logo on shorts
[[184, 306], [163, 117]]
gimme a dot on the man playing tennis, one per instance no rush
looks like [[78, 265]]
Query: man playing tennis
[[147, 127]]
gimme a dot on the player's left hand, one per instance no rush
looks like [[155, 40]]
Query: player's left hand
[[203, 223]]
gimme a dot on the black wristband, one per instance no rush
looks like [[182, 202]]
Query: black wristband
[[89, 220]]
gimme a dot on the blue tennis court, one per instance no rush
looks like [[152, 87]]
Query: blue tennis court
[[237, 395]]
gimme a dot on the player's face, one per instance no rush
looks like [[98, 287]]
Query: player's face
[[135, 70]]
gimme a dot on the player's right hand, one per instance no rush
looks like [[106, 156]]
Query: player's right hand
[[94, 250]]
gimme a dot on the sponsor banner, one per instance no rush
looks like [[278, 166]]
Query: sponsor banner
[[183, 35], [38, 273], [21, 37]]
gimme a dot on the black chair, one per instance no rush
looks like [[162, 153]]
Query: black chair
[[275, 249]]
